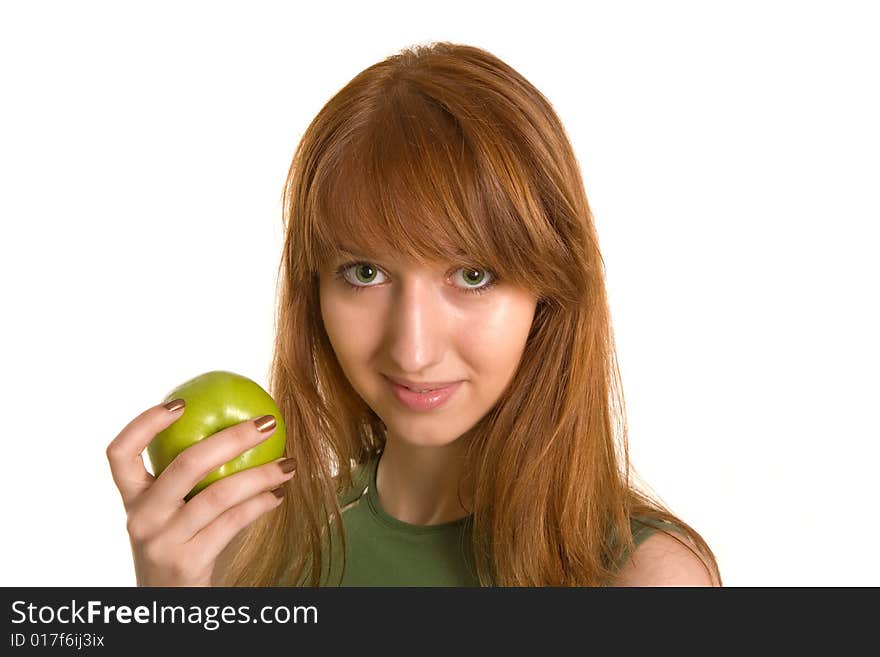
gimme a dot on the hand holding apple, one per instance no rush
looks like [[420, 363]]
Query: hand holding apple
[[176, 544], [214, 401]]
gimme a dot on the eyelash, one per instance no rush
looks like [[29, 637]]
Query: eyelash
[[340, 271]]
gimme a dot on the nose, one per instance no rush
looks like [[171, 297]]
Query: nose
[[418, 325]]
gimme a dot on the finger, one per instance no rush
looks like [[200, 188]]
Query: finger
[[192, 464], [224, 494], [212, 540], [125, 451]]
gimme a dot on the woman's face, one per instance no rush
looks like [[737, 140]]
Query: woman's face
[[424, 324]]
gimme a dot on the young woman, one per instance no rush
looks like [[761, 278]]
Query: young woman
[[438, 239]]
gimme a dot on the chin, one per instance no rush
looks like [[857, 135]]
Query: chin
[[421, 432]]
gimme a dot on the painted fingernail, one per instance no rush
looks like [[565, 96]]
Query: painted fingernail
[[175, 405], [287, 465], [278, 492], [265, 423]]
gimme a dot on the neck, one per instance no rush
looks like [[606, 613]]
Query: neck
[[418, 484]]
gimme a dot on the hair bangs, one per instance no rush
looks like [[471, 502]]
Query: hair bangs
[[410, 184]]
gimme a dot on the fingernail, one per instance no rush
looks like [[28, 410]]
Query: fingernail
[[265, 423], [278, 492], [175, 405], [287, 465]]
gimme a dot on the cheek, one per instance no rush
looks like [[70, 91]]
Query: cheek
[[494, 345], [351, 328]]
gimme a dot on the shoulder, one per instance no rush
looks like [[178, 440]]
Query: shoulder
[[664, 560]]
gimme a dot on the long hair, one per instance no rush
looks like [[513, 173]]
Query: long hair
[[443, 152]]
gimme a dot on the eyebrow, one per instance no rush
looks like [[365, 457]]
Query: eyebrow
[[342, 249], [347, 251]]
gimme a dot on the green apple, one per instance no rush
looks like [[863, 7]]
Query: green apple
[[214, 401]]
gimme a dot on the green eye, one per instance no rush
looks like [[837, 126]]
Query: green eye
[[469, 275], [360, 268], [365, 273]]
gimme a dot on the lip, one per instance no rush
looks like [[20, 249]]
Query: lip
[[421, 385], [423, 401]]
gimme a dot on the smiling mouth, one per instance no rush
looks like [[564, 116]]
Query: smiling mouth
[[426, 387], [423, 389], [423, 401]]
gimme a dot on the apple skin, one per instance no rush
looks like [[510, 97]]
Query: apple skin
[[214, 401]]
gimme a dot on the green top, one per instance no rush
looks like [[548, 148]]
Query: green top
[[384, 551]]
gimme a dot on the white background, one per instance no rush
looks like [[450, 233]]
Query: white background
[[731, 154]]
